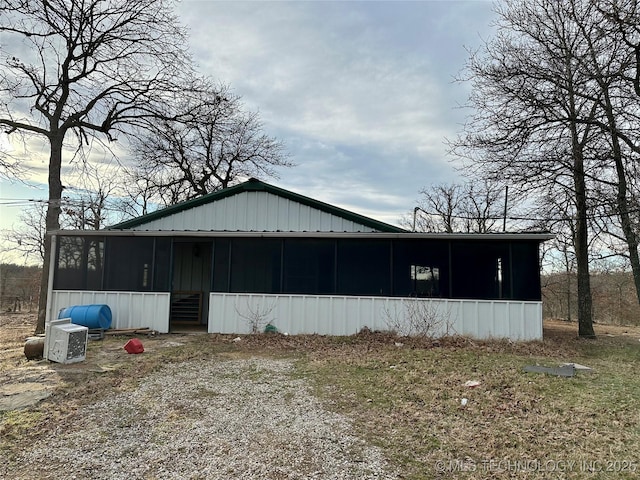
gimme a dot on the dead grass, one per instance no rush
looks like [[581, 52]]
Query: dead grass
[[407, 398], [14, 329], [408, 401]]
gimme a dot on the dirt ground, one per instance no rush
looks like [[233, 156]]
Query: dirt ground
[[31, 391], [554, 328], [196, 376], [24, 382], [354, 375]]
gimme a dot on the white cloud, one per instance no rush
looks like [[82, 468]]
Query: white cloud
[[360, 92], [332, 78]]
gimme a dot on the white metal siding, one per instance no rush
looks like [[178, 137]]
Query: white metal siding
[[334, 315], [129, 309], [255, 211], [325, 315]]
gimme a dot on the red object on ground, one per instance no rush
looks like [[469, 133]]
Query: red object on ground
[[134, 346]]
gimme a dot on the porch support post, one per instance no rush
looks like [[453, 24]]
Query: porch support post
[[450, 271], [511, 297], [52, 264]]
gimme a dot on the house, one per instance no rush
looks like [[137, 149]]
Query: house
[[237, 259]]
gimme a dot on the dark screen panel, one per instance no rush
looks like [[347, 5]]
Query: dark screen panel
[[70, 271], [255, 265], [480, 270], [129, 264], [526, 271], [364, 267], [309, 266], [221, 264], [162, 265], [421, 268]]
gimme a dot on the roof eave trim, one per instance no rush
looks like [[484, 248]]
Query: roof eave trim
[[538, 236]]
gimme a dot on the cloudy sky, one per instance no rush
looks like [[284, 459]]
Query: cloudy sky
[[361, 93]]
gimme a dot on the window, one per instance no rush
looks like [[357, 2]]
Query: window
[[498, 279], [420, 268], [425, 281], [526, 271]]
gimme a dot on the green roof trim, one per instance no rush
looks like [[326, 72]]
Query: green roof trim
[[255, 185]]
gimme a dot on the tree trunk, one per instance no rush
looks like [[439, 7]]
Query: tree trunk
[[585, 307], [626, 223], [622, 203], [568, 295], [52, 223]]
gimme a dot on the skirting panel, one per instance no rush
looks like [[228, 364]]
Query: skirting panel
[[334, 315], [129, 309]]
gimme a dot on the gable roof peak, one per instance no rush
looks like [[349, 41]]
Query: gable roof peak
[[252, 185]]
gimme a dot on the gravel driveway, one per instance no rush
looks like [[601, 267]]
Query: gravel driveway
[[236, 419]]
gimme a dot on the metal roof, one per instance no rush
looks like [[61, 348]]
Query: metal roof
[[538, 236], [254, 185]]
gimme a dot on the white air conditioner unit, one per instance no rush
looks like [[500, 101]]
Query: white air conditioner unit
[[65, 342]]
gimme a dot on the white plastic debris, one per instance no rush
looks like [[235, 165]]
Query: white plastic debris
[[464, 402], [237, 339], [578, 367], [472, 383]]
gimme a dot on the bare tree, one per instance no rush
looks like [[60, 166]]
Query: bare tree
[[622, 17], [90, 67], [87, 206], [440, 205], [139, 193], [19, 286], [483, 205], [614, 66], [468, 207], [190, 156], [28, 238], [535, 106], [559, 207]]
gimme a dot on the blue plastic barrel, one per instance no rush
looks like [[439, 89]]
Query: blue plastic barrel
[[91, 316]]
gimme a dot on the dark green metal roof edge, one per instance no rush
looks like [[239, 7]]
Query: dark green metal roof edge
[[255, 185]]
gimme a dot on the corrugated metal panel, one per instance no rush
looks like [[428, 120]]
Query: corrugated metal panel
[[325, 315], [255, 211], [129, 309], [334, 315]]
